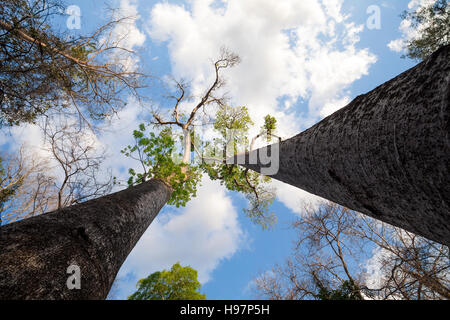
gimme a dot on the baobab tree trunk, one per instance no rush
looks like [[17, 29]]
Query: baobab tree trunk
[[95, 236], [386, 154]]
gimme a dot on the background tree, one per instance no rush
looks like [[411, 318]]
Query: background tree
[[409, 267], [433, 25], [42, 68], [26, 189], [7, 189], [162, 156], [65, 172], [179, 283], [333, 247], [79, 159]]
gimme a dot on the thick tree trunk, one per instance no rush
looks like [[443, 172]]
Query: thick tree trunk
[[96, 236], [386, 154]]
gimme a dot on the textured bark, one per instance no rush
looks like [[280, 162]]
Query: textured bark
[[386, 154], [96, 235]]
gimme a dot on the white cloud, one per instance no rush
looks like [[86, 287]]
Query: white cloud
[[406, 28], [117, 133], [408, 33], [374, 274], [126, 35], [201, 236], [291, 51], [294, 198], [37, 145], [388, 5], [334, 8], [134, 37]]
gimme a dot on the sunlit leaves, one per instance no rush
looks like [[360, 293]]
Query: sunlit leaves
[[179, 283], [156, 154], [160, 155]]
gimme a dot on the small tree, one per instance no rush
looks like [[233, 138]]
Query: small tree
[[180, 283]]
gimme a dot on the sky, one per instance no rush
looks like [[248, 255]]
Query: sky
[[300, 62]]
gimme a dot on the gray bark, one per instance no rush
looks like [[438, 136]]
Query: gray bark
[[386, 154], [96, 235]]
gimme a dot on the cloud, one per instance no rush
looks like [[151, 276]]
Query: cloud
[[134, 37], [408, 31], [292, 51], [201, 236], [126, 35], [294, 198], [334, 8], [37, 144], [334, 105], [117, 133], [374, 273], [298, 60], [28, 134], [298, 57]]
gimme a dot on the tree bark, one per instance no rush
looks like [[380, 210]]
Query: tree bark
[[96, 236], [386, 154]]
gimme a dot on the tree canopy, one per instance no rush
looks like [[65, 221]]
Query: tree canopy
[[174, 151], [433, 25], [336, 250], [179, 283], [7, 189], [44, 69]]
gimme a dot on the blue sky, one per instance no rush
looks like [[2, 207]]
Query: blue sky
[[301, 61]]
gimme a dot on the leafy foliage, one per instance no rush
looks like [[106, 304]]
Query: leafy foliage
[[44, 69], [249, 183], [230, 126], [180, 283], [158, 158], [233, 125], [433, 23], [347, 291], [232, 119]]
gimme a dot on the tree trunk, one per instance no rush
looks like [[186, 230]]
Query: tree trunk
[[95, 236], [386, 154], [187, 146]]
